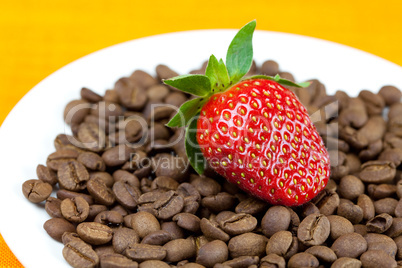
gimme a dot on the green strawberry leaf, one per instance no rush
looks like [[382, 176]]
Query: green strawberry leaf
[[217, 73], [280, 80], [240, 53], [194, 154], [186, 111], [195, 84]]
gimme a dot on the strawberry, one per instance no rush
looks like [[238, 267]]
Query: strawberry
[[252, 131]]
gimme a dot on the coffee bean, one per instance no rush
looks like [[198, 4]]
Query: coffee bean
[[187, 221], [90, 95], [169, 205], [220, 202], [173, 229], [206, 186], [175, 99], [351, 212], [211, 230], [75, 210], [339, 226], [212, 253], [118, 155], [72, 176], [377, 172], [251, 206], [106, 177], [79, 254], [346, 262], [327, 202], [160, 237], [100, 192], [248, 244], [170, 166], [396, 228], [63, 194], [314, 230], [126, 194], [303, 259], [351, 187], [322, 253], [310, 208], [238, 224], [92, 137], [367, 206], [374, 102], [277, 218], [390, 94], [36, 191], [280, 244], [381, 191], [117, 261], [180, 249], [379, 223], [124, 238], [52, 207], [153, 264], [381, 242], [109, 218], [386, 205], [164, 183], [270, 67], [94, 233], [349, 245], [377, 258], [57, 226], [393, 155], [144, 223], [354, 114], [45, 174], [272, 260], [144, 252], [125, 176], [92, 161], [75, 111]]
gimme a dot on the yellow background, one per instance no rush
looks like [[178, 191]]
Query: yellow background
[[38, 37]]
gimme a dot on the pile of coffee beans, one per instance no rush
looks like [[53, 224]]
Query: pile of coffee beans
[[125, 195]]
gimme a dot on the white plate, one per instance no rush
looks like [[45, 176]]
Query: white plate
[[26, 136]]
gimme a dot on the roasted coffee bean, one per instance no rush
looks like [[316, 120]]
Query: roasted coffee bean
[[379, 223], [160, 237], [180, 249], [346, 262], [272, 260], [327, 202], [73, 176], [314, 230], [126, 194], [157, 92], [63, 194], [310, 208], [125, 176], [144, 223], [349, 245], [52, 207], [367, 205], [339, 226], [100, 192], [270, 67], [75, 210], [57, 226], [68, 236], [92, 137], [170, 166], [92, 161], [390, 94], [109, 218], [153, 264], [277, 218], [124, 238], [381, 242], [191, 204], [322, 253], [75, 111], [211, 230], [168, 206], [350, 211], [354, 115], [106, 177], [144, 252], [396, 228], [374, 102], [251, 206], [63, 141], [220, 202], [36, 191], [381, 191], [45, 174], [377, 172], [175, 99], [90, 95], [303, 259], [386, 205], [164, 183], [393, 155], [55, 160], [185, 189], [206, 186], [244, 261], [238, 224], [212, 253], [118, 155], [117, 261], [377, 258], [350, 187], [248, 244], [187, 221], [282, 243], [79, 254], [94, 233]]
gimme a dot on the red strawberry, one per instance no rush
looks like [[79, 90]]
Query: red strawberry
[[254, 132]]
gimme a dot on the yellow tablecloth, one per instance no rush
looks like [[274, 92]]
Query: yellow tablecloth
[[39, 37]]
